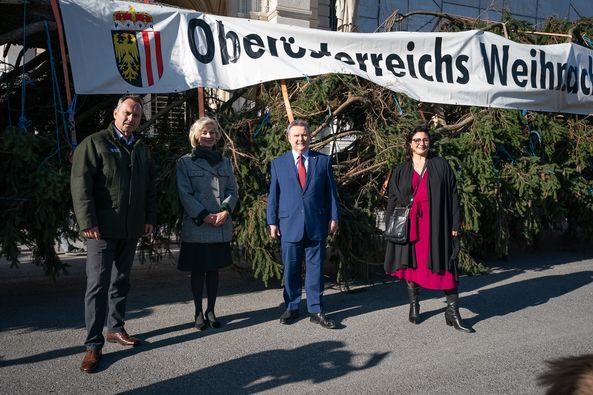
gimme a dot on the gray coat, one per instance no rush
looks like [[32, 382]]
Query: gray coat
[[205, 187]]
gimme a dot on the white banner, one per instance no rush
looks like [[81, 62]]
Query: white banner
[[118, 47]]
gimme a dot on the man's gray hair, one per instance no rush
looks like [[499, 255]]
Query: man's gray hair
[[299, 122], [135, 98]]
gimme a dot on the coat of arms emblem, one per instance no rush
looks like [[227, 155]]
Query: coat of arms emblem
[[137, 48]]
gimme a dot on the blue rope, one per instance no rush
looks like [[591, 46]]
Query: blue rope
[[265, 120], [587, 40], [535, 141], [399, 108], [502, 150], [9, 111], [71, 112], [23, 121], [53, 90], [56, 91]]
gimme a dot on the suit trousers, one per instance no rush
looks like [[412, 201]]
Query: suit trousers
[[108, 266], [292, 257]]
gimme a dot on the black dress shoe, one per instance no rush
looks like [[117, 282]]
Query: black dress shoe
[[289, 317], [321, 319], [212, 320], [200, 322]]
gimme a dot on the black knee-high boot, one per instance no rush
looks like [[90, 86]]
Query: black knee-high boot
[[452, 317], [414, 298]]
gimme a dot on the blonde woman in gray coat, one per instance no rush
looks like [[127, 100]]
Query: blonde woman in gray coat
[[208, 194]]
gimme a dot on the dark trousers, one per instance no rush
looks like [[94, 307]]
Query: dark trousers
[[108, 266], [292, 256]]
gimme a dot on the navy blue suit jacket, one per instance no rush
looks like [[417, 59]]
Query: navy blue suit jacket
[[296, 211]]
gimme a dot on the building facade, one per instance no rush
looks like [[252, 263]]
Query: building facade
[[369, 15]]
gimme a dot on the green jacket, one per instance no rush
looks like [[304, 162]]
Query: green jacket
[[112, 187]]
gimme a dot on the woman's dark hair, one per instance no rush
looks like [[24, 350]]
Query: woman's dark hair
[[568, 376], [408, 136]]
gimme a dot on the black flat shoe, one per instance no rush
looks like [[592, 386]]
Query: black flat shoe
[[212, 320], [289, 317], [200, 322]]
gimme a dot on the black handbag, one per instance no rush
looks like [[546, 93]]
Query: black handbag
[[397, 229]]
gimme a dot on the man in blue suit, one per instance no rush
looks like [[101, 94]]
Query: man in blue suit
[[302, 210]]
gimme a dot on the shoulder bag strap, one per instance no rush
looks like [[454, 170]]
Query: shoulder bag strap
[[418, 183]]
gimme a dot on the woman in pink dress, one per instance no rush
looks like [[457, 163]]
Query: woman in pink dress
[[429, 259]]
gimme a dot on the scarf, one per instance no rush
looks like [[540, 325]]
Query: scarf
[[212, 157]]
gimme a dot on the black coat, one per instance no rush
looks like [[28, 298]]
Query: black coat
[[445, 216]]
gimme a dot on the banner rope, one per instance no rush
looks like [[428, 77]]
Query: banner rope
[[71, 123], [57, 97], [23, 121]]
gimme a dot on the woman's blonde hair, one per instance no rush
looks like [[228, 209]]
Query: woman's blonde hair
[[196, 129]]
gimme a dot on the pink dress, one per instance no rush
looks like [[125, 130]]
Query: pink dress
[[420, 237]]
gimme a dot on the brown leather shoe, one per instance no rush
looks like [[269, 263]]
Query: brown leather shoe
[[122, 338], [90, 363]]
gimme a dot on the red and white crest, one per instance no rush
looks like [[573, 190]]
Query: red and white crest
[[137, 48]]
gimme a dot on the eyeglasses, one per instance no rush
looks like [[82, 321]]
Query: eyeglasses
[[419, 140]]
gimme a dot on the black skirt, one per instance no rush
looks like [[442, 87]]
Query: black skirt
[[203, 257]]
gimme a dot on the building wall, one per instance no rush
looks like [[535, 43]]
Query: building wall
[[9, 58], [323, 14], [304, 13], [373, 13]]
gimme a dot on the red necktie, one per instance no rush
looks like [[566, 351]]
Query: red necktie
[[302, 172]]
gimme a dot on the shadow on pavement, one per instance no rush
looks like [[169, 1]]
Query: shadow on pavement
[[314, 363], [63, 352], [541, 260], [42, 311], [493, 301], [507, 298], [510, 298]]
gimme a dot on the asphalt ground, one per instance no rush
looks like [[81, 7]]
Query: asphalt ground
[[531, 308]]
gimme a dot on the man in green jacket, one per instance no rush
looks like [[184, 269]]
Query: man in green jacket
[[114, 198]]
